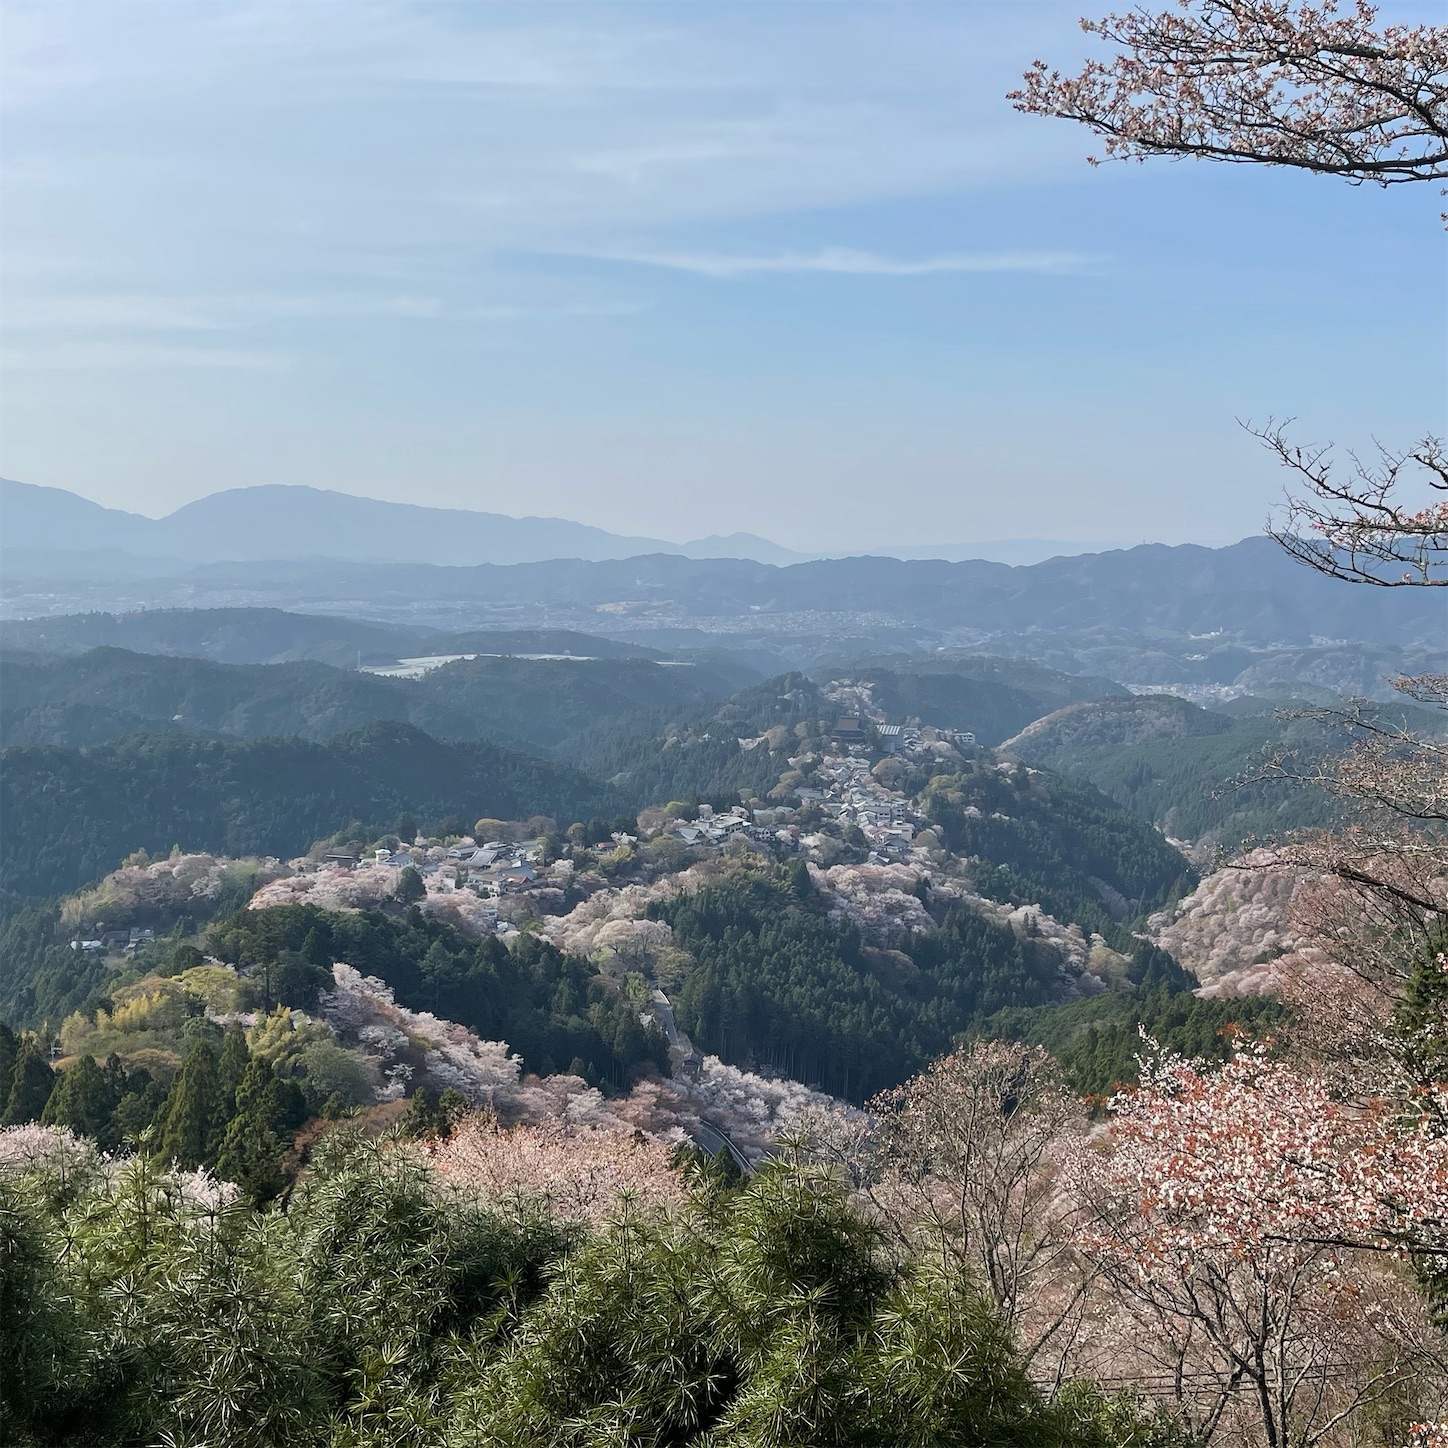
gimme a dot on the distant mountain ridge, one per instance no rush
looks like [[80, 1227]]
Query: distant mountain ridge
[[283, 521], [276, 521], [1119, 720], [1226, 601], [1251, 589]]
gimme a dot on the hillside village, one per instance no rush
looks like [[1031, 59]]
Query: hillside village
[[850, 810]]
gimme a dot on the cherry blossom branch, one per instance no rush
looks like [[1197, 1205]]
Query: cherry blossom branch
[[1357, 529], [1275, 82]]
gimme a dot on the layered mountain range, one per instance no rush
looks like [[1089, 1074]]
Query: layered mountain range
[[275, 521]]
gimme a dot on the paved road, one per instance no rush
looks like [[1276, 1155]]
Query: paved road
[[666, 1019], [715, 1142], [707, 1136]]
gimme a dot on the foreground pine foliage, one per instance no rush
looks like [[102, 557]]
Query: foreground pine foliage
[[380, 1307]]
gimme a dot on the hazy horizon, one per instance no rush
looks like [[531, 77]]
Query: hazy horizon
[[1013, 550], [798, 271]]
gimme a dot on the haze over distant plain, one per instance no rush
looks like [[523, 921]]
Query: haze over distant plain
[[671, 271]]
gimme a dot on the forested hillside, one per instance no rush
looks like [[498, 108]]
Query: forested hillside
[[1098, 1039], [681, 754], [72, 814], [551, 1009], [531, 703], [1189, 771], [277, 636], [1123, 719], [1043, 839], [778, 982], [991, 697], [107, 692], [227, 635], [665, 754]]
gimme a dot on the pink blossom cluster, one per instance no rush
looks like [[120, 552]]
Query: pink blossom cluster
[[57, 1153], [462, 908], [406, 1044], [51, 1149], [577, 1173], [1313, 86], [752, 1111], [877, 899], [1235, 931], [1258, 1160], [161, 889], [880, 901], [360, 888], [365, 887], [578, 932], [411, 1048]]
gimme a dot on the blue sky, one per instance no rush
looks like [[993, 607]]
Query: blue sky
[[669, 269]]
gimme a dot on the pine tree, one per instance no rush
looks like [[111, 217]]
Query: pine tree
[[267, 1112], [142, 1101], [421, 1117], [193, 1115], [315, 949], [296, 981], [231, 1069], [31, 1082], [9, 1050], [82, 1100], [437, 970], [452, 1106], [1421, 1016]]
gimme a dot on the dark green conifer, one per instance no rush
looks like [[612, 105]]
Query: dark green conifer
[[422, 1117], [1421, 1016], [296, 981], [452, 1106], [268, 1111], [231, 1068], [9, 1050], [139, 1101], [194, 1117], [31, 1082], [83, 1100]]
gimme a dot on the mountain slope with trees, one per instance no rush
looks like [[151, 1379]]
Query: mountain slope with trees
[[1196, 774], [72, 814], [1127, 719], [531, 703], [275, 636], [1247, 592]]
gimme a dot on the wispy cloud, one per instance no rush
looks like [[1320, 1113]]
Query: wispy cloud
[[131, 356], [145, 312], [843, 261], [141, 313]]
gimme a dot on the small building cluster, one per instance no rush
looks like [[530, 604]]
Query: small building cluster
[[116, 942]]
